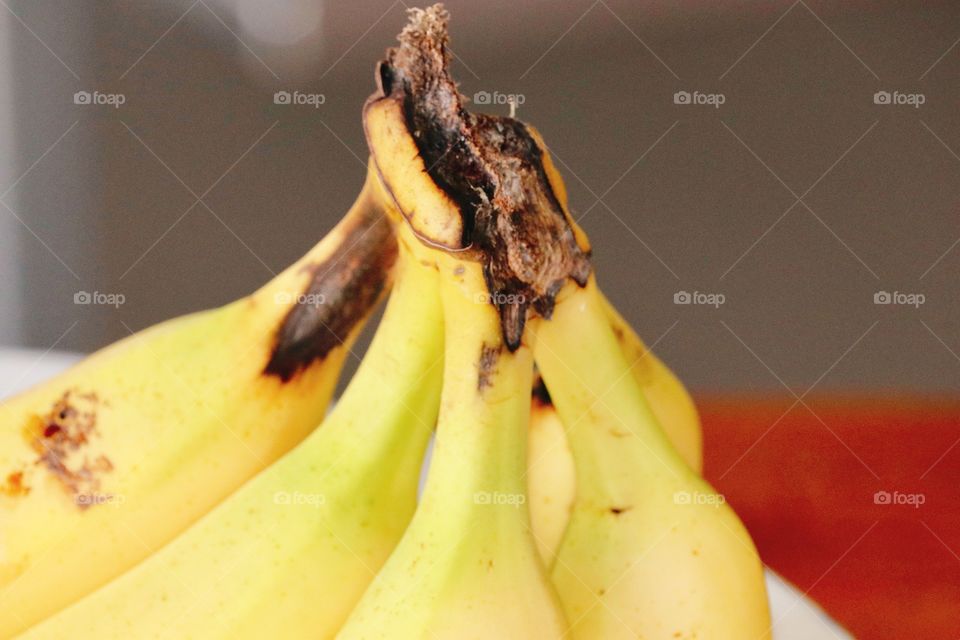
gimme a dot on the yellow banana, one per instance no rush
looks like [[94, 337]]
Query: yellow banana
[[107, 462], [291, 551], [551, 474], [468, 567], [651, 550]]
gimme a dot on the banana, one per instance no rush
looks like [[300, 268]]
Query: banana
[[291, 551], [551, 471], [468, 566], [107, 462], [651, 550]]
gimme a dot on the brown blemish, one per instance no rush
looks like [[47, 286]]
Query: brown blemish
[[59, 439], [14, 485], [493, 169], [487, 366], [618, 510], [617, 331], [349, 283], [540, 395]]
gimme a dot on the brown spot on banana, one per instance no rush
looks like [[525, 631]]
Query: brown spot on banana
[[61, 439], [487, 366], [14, 485], [540, 395], [350, 282], [470, 183]]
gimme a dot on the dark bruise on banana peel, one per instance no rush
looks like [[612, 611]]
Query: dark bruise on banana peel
[[349, 282], [540, 395], [491, 168]]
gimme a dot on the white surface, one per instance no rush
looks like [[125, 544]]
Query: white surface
[[795, 617]]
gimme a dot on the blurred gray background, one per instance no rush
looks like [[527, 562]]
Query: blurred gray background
[[797, 199]]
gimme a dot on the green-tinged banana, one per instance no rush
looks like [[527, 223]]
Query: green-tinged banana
[[651, 550], [106, 463], [290, 552], [468, 566]]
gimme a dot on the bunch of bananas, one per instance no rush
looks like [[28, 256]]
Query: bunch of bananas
[[172, 484]]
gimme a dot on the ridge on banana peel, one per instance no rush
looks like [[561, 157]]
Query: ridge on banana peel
[[291, 551], [468, 566], [650, 550], [110, 460]]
